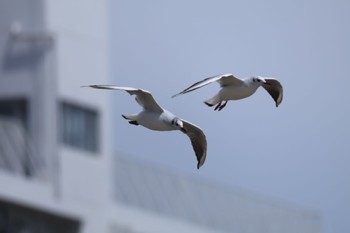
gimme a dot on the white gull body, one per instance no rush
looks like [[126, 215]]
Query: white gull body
[[154, 117], [233, 88]]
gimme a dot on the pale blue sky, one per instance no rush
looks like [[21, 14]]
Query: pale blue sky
[[298, 152]]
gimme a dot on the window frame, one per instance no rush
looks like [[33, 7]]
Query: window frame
[[89, 114]]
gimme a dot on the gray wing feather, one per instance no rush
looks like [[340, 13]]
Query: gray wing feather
[[224, 80], [229, 79], [275, 89], [198, 141], [143, 98]]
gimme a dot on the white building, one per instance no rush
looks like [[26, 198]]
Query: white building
[[57, 169]]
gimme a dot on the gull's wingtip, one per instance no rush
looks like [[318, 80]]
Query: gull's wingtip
[[173, 96], [88, 86], [278, 102], [201, 161], [200, 164]]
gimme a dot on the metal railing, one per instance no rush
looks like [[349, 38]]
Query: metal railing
[[17, 152]]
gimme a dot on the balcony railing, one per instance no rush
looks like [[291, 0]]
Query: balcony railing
[[17, 152]]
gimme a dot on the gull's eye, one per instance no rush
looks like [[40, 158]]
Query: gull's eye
[[259, 80], [175, 122]]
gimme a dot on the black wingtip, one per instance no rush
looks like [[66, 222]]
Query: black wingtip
[[93, 86], [180, 93]]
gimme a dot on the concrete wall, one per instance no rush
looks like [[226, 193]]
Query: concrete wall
[[47, 71], [81, 58]]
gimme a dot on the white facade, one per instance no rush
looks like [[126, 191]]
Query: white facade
[[70, 45], [48, 49]]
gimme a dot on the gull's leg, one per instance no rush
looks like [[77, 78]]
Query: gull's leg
[[217, 106], [222, 106]]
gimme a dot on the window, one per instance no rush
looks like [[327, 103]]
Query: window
[[18, 153], [19, 219], [15, 109], [79, 127]]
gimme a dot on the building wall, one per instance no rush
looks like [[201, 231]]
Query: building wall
[[48, 49], [81, 57], [22, 63]]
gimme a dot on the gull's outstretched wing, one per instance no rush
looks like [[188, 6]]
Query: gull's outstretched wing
[[143, 97], [224, 80], [275, 89], [198, 140]]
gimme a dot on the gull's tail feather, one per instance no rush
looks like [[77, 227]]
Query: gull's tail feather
[[130, 117], [213, 101]]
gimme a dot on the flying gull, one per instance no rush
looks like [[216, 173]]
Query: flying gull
[[233, 88], [154, 117]]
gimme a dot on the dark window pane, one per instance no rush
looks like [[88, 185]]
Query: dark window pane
[[15, 109], [18, 219], [79, 127], [17, 153]]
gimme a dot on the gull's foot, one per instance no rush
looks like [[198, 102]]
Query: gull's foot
[[222, 106], [217, 106]]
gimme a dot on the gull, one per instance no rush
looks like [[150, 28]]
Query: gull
[[154, 117], [233, 88]]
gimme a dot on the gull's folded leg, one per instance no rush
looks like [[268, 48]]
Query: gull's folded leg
[[222, 106], [217, 106]]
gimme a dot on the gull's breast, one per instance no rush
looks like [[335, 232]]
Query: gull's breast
[[154, 121], [236, 92]]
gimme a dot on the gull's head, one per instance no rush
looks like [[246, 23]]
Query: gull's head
[[177, 122], [257, 80]]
